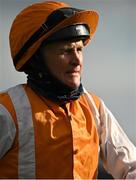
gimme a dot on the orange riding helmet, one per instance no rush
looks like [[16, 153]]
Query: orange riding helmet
[[41, 21]]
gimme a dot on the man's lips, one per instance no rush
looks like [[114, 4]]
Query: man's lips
[[70, 72], [77, 70], [73, 73]]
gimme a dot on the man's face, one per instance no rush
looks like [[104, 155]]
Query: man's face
[[65, 60]]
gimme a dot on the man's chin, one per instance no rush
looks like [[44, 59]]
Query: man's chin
[[73, 85]]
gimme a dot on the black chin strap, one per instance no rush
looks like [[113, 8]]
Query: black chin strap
[[54, 90], [60, 97]]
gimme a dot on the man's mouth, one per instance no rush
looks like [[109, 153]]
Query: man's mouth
[[73, 72]]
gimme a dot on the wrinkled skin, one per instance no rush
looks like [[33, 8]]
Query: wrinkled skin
[[64, 60]]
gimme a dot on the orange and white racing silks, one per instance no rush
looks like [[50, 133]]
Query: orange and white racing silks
[[39, 139]]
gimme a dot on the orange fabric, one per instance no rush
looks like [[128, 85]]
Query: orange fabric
[[66, 140], [30, 20], [71, 147]]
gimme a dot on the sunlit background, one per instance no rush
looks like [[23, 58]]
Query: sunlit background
[[109, 61]]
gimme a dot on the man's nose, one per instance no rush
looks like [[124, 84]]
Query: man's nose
[[77, 57]]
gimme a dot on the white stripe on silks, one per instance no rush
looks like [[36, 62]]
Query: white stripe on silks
[[26, 132], [7, 130]]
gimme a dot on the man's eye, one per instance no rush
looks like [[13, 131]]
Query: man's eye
[[69, 50], [79, 49], [66, 51]]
